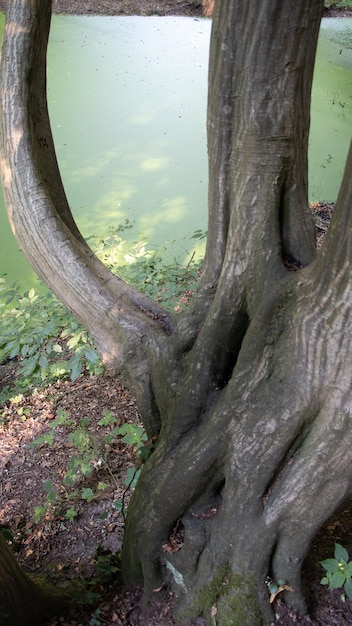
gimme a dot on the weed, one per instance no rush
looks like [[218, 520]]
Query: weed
[[87, 456], [43, 338], [338, 5], [46, 342], [86, 590], [338, 571]]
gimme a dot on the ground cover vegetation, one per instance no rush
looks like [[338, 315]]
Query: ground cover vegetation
[[216, 384], [48, 342]]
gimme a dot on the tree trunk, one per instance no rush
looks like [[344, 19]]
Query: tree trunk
[[22, 603], [248, 393], [245, 461]]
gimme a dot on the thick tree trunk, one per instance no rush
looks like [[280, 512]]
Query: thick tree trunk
[[245, 462], [22, 603], [249, 392], [266, 461]]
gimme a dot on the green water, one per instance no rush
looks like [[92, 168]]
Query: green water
[[331, 120], [127, 100]]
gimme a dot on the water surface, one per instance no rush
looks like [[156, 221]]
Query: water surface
[[127, 100]]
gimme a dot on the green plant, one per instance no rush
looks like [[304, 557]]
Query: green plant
[[87, 456], [133, 435], [81, 463], [42, 337], [338, 571], [52, 499], [338, 5], [86, 590], [147, 268], [46, 342], [71, 513]]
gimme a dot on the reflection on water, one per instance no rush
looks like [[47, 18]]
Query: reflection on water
[[127, 100]]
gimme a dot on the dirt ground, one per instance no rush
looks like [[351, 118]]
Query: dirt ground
[[124, 7], [83, 547], [74, 531], [146, 7]]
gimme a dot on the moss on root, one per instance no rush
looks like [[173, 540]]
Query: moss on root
[[228, 600], [239, 606]]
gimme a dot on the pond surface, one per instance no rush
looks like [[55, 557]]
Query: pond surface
[[127, 100]]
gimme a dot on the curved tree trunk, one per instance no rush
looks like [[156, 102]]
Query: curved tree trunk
[[248, 393], [22, 603]]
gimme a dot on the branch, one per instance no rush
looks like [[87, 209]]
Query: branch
[[258, 123], [333, 265], [36, 202]]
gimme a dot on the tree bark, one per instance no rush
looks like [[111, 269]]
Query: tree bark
[[248, 393], [22, 603], [252, 389]]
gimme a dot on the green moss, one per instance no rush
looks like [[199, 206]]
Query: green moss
[[233, 595], [208, 595], [239, 606]]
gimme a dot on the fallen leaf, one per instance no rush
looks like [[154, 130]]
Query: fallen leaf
[[279, 590]]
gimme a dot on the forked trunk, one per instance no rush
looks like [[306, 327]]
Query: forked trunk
[[248, 393], [244, 473]]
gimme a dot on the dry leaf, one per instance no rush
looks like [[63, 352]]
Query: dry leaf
[[279, 590]]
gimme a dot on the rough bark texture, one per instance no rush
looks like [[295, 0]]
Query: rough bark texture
[[248, 394]]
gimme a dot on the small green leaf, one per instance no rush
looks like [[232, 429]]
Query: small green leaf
[[47, 438], [39, 511], [331, 565], [348, 588], [85, 467], [76, 371], [28, 368], [340, 553], [87, 494], [62, 419], [74, 340], [132, 476], [71, 513], [92, 355], [43, 362], [272, 587], [108, 419], [337, 580], [324, 581]]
